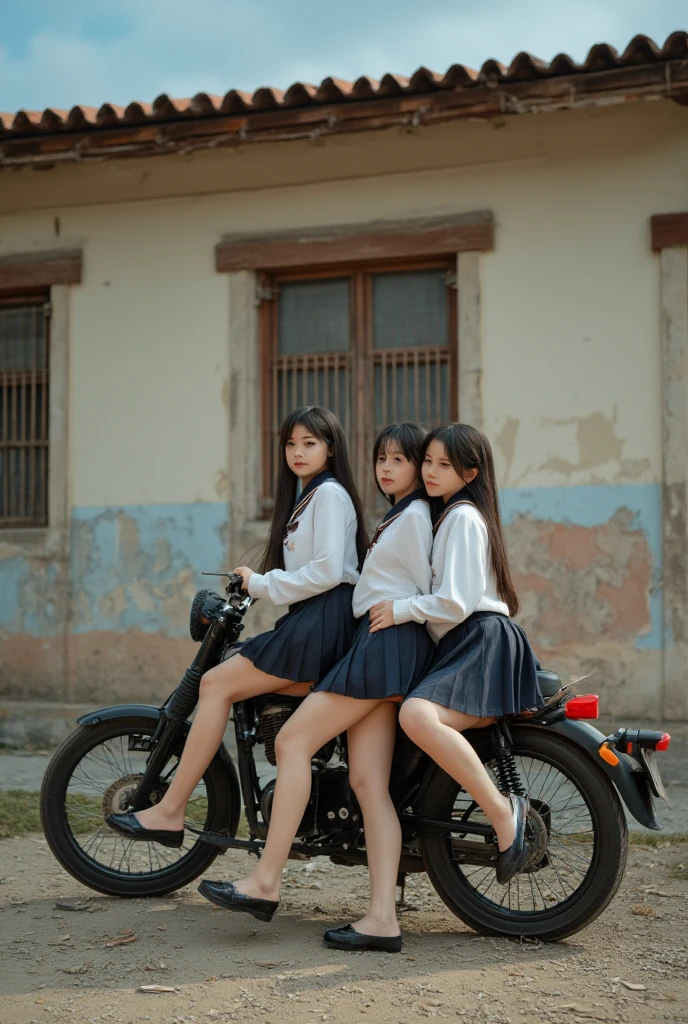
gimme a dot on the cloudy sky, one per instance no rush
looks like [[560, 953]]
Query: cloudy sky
[[62, 52]]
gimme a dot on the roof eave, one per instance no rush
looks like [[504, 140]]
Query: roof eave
[[483, 100]]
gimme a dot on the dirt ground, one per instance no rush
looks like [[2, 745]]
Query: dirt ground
[[72, 955]]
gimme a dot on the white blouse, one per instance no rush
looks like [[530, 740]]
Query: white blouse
[[319, 550], [398, 563], [462, 578]]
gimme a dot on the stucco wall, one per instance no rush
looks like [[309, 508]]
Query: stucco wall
[[571, 356]]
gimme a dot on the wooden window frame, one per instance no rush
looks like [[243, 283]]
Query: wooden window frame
[[11, 381], [362, 352], [669, 230]]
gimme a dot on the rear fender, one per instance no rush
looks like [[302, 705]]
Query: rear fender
[[628, 775], [154, 714]]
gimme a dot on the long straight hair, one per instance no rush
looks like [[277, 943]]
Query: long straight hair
[[408, 438], [324, 425], [467, 448]]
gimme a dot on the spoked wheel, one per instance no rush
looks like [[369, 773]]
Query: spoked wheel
[[93, 774], [577, 836]]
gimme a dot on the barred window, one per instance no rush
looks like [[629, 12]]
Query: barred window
[[376, 345], [24, 411]]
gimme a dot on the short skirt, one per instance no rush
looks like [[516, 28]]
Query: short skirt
[[380, 665], [305, 643], [485, 667]]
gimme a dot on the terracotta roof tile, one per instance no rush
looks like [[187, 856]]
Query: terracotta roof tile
[[523, 68]]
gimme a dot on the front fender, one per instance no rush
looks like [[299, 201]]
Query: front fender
[[628, 775], [120, 711], [155, 713]]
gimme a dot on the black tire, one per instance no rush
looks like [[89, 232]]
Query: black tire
[[55, 818], [608, 848]]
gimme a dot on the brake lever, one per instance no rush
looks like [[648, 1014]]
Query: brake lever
[[235, 583]]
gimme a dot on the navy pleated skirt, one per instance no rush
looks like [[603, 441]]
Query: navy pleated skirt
[[384, 664], [306, 642], [484, 666]]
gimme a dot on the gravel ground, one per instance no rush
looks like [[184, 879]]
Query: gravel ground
[[71, 955]]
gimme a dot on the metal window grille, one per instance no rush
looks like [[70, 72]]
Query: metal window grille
[[24, 384], [375, 346]]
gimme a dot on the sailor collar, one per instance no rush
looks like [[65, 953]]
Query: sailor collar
[[306, 497], [454, 502], [395, 511]]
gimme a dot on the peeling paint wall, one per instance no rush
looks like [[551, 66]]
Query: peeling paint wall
[[571, 377], [134, 571], [588, 568]]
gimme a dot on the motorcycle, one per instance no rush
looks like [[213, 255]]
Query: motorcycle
[[122, 759]]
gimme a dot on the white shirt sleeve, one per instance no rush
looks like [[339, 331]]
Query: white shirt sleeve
[[331, 513], [464, 578]]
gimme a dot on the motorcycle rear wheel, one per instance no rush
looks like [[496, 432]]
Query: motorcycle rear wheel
[[90, 776], [586, 851]]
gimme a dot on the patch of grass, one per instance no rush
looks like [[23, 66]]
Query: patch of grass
[[18, 813], [657, 838], [680, 871]]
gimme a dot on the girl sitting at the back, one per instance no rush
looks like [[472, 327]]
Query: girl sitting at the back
[[483, 667]]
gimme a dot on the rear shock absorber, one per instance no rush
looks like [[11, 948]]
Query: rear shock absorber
[[508, 779]]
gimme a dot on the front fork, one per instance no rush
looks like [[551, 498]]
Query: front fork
[[174, 714]]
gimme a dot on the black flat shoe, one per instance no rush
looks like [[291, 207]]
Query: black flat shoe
[[129, 825], [348, 938], [513, 860], [225, 894]]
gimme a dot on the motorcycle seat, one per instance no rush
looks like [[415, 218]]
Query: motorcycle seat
[[549, 682]]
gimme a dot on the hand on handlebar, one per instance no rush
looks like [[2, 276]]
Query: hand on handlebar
[[245, 574]]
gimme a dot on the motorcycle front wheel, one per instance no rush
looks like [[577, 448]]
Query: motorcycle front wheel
[[578, 839], [93, 774]]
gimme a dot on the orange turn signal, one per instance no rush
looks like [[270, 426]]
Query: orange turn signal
[[608, 755], [583, 707]]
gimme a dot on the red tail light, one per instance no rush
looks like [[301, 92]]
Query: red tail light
[[663, 743], [583, 707]]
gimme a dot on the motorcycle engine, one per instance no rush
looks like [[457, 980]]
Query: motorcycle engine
[[332, 805]]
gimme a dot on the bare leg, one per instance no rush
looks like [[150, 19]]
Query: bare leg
[[371, 746], [437, 730], [321, 717], [223, 685]]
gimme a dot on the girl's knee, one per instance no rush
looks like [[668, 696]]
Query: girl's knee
[[213, 685], [368, 790], [288, 744], [415, 718]]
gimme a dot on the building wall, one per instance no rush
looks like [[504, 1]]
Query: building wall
[[570, 304]]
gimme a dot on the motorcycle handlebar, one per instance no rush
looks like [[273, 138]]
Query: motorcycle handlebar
[[235, 584]]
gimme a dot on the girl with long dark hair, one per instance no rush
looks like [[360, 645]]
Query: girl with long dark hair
[[359, 695], [483, 666], [311, 562]]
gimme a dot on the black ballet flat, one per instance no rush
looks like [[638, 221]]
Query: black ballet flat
[[129, 825], [225, 894], [510, 862], [348, 938]]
